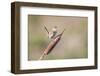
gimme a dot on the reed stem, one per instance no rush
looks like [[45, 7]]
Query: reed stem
[[42, 56]]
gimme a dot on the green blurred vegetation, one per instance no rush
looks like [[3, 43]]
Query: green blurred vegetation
[[38, 41]]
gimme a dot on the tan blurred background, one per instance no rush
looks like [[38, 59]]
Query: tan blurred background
[[73, 44]]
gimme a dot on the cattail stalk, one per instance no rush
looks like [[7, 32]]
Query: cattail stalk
[[51, 45]]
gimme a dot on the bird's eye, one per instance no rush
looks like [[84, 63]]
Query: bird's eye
[[55, 26]]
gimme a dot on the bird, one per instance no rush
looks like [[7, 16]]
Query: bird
[[51, 44], [52, 33]]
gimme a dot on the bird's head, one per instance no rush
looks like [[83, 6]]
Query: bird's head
[[54, 29]]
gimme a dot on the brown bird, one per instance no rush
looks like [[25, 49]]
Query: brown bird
[[51, 45], [52, 33]]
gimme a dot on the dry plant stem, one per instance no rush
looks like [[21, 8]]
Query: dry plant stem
[[50, 47], [42, 56], [46, 29]]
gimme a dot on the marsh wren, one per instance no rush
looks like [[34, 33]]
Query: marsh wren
[[52, 33]]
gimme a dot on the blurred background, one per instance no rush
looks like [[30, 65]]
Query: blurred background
[[73, 44]]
